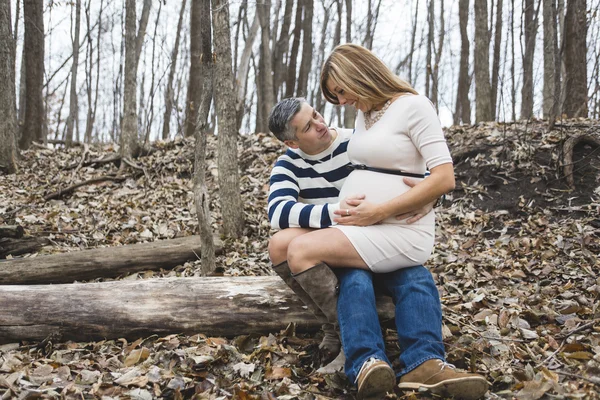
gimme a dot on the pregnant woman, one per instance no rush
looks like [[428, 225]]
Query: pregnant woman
[[397, 134]]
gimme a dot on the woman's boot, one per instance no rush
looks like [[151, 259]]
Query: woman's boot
[[330, 346]]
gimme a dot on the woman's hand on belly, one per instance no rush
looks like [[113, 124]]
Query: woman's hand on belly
[[359, 212]]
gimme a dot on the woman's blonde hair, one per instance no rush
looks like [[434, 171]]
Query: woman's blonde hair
[[361, 73]]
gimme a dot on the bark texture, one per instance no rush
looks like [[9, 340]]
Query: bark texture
[[575, 51], [129, 123], [73, 103], [530, 28], [483, 92], [229, 181], [105, 262], [8, 115], [463, 105], [549, 17], [33, 48], [201, 197], [132, 309]]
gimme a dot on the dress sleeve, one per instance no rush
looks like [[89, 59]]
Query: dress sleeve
[[284, 209], [426, 133]]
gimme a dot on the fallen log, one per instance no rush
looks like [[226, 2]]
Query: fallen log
[[214, 306], [105, 262], [24, 245], [11, 231]]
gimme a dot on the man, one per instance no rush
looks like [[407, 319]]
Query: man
[[305, 184]]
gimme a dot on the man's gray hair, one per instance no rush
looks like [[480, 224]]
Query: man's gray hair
[[282, 114]]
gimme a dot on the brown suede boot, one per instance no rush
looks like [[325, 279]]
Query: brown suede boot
[[375, 379], [442, 379], [330, 346]]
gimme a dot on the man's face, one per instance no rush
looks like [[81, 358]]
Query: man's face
[[312, 134]]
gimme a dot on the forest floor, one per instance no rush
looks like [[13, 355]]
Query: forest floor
[[516, 262]]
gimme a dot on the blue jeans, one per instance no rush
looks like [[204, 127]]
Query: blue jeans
[[418, 317]]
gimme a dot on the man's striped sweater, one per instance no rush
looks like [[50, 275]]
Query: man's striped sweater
[[304, 188]]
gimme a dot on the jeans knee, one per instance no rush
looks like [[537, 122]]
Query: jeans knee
[[356, 281]]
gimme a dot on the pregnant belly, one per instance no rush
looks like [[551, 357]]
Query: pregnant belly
[[377, 187]]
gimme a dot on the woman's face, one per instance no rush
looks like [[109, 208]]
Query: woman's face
[[345, 98]]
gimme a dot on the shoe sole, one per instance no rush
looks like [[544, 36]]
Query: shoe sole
[[462, 388], [377, 383]]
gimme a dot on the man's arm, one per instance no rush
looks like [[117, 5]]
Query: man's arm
[[285, 211]]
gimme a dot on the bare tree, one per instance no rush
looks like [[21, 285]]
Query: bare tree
[[266, 90], [33, 45], [513, 89], [372, 16], [307, 48], [575, 51], [8, 116], [530, 29], [430, 45], [483, 91], [496, 61], [201, 196], [194, 91], [438, 57], [290, 82], [172, 69], [130, 146], [549, 17], [229, 183], [281, 47], [463, 105], [73, 104], [243, 72], [92, 105]]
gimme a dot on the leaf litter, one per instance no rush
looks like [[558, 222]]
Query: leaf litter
[[515, 261]]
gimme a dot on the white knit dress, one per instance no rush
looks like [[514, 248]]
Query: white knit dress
[[409, 138]]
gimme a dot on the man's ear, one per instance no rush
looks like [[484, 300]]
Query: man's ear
[[292, 144]]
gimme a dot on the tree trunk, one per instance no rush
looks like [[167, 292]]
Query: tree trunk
[[129, 123], [194, 83], [513, 90], [290, 83], [463, 105], [105, 262], [349, 111], [438, 57], [229, 183], [281, 48], [530, 30], [307, 48], [201, 197], [483, 92], [575, 51], [73, 117], [496, 61], [33, 45], [549, 16], [172, 69], [216, 306], [8, 116], [243, 72], [266, 70], [430, 45]]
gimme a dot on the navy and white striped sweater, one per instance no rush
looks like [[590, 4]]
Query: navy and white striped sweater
[[304, 189]]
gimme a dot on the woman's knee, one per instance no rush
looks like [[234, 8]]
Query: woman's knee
[[278, 244]]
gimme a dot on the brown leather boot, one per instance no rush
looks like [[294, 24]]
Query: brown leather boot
[[375, 379], [330, 346], [442, 379]]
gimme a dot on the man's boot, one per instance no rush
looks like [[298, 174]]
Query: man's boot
[[330, 345]]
